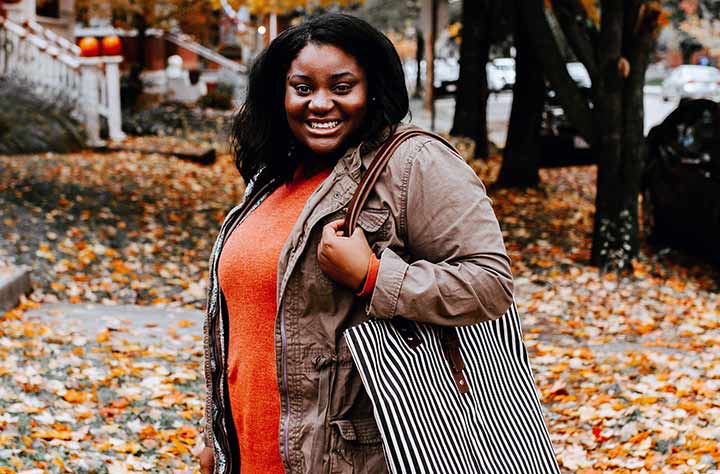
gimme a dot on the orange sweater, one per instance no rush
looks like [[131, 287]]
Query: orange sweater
[[248, 278]]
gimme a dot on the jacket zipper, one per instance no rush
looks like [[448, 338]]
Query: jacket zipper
[[283, 338], [286, 390]]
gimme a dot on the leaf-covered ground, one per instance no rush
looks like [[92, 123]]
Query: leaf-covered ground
[[628, 368]]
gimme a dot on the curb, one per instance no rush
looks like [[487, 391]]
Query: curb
[[13, 284]]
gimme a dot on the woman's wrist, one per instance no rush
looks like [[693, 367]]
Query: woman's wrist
[[368, 283]]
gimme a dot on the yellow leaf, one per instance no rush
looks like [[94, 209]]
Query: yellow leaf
[[103, 336], [646, 400]]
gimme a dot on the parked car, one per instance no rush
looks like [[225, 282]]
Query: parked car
[[580, 75], [447, 72], [505, 69], [495, 79], [500, 74], [681, 185], [692, 82]]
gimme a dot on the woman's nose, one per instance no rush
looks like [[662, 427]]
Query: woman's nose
[[321, 102]]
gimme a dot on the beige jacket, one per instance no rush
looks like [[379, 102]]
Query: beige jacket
[[442, 261]]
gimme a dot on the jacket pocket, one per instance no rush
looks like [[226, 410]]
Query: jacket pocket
[[357, 447], [377, 227], [371, 219]]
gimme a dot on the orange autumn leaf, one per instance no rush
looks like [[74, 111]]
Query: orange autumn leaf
[[120, 403], [187, 432], [119, 266], [74, 396], [148, 433], [639, 437]]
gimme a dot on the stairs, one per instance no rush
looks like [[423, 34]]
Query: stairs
[[40, 54]]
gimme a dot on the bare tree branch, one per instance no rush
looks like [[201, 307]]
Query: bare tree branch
[[581, 37], [548, 53]]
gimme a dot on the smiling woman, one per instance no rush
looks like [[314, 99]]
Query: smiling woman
[[285, 284]]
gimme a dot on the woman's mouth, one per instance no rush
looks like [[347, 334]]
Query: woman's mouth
[[324, 127]]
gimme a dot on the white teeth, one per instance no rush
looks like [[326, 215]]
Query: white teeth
[[324, 124]]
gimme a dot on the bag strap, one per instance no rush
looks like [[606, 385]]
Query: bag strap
[[449, 339], [382, 157]]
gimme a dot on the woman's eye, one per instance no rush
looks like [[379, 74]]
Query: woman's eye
[[302, 90], [342, 88]]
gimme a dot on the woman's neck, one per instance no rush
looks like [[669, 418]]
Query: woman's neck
[[311, 163]]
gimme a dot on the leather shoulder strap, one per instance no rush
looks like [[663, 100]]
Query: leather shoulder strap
[[378, 164]]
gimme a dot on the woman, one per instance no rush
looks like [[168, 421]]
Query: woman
[[283, 395]]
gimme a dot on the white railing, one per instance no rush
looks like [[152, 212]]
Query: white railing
[[187, 42], [47, 58]]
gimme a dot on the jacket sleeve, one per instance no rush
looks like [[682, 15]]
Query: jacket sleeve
[[460, 272]]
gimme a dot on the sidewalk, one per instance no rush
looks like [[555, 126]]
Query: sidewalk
[[98, 387], [498, 115]]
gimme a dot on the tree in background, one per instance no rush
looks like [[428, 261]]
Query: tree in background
[[483, 22], [522, 146], [614, 40]]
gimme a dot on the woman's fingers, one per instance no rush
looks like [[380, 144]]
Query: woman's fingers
[[207, 460]]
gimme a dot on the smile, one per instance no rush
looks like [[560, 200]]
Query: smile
[[324, 125]]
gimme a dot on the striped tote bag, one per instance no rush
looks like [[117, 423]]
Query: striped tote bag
[[449, 400]]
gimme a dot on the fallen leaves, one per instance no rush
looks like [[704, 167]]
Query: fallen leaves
[[114, 228], [628, 368]]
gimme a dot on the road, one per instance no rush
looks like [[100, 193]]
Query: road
[[498, 113]]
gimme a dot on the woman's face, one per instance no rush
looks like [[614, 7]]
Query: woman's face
[[325, 97]]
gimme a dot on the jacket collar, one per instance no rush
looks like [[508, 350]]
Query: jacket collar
[[357, 159]]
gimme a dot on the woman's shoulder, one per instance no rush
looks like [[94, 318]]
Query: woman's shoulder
[[422, 145]]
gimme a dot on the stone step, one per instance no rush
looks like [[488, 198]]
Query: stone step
[[14, 282]]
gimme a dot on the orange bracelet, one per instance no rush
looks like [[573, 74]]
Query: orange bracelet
[[370, 278]]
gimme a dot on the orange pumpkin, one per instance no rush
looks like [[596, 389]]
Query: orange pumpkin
[[111, 46], [89, 46]]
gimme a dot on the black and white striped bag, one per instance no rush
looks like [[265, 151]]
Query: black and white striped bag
[[449, 400], [428, 424]]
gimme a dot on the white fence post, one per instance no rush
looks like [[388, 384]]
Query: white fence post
[[90, 97], [114, 112]]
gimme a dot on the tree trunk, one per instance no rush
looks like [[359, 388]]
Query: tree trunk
[[140, 26], [616, 236], [470, 118], [429, 96], [615, 201], [418, 59], [522, 149]]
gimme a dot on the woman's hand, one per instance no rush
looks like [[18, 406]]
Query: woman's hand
[[206, 457], [344, 259]]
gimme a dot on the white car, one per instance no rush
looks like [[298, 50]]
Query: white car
[[579, 74], [692, 82], [447, 71], [506, 70]]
